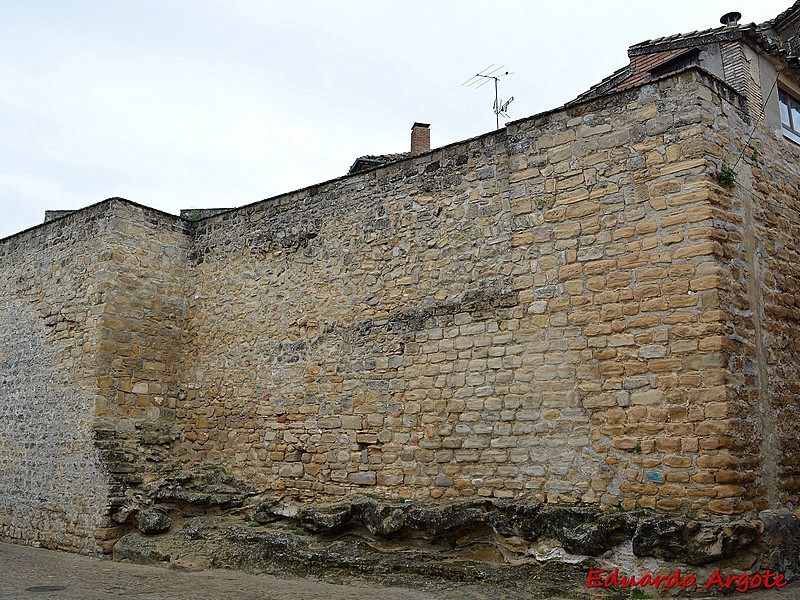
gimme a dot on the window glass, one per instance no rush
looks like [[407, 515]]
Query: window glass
[[784, 102], [795, 116]]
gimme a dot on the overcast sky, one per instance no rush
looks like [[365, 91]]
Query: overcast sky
[[188, 104]]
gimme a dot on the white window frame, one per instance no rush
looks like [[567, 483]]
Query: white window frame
[[790, 125]]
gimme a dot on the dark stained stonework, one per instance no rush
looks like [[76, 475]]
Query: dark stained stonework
[[150, 522]]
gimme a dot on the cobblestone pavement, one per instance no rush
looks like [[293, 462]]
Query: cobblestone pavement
[[36, 574]]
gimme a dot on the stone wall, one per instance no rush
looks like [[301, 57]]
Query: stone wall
[[138, 350], [532, 312], [777, 218], [53, 489], [572, 310], [759, 233], [89, 369]]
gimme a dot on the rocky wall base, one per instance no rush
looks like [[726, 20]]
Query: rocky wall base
[[535, 549]]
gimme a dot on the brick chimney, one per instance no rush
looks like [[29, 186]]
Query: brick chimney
[[420, 138]]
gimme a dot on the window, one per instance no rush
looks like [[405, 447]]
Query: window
[[790, 115]]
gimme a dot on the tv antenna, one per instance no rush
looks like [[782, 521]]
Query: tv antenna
[[488, 74]]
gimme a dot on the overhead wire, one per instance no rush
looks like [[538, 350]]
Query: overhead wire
[[759, 119]]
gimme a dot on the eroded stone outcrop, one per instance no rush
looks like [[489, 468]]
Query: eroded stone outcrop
[[176, 491], [214, 542], [475, 540], [580, 530]]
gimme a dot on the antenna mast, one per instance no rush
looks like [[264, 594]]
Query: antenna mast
[[480, 79]]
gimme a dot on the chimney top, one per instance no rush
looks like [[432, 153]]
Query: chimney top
[[731, 19], [420, 138]]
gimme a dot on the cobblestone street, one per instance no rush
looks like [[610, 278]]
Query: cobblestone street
[[73, 577], [31, 573]]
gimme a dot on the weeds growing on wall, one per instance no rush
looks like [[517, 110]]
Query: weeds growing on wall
[[727, 178]]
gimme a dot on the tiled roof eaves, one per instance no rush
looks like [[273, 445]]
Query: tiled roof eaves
[[362, 163], [370, 161], [644, 69], [386, 157], [685, 40], [633, 74], [790, 15], [605, 86], [614, 92], [772, 47]]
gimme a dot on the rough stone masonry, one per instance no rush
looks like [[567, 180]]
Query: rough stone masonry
[[569, 312]]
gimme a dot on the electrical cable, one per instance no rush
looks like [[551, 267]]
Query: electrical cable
[[759, 119]]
